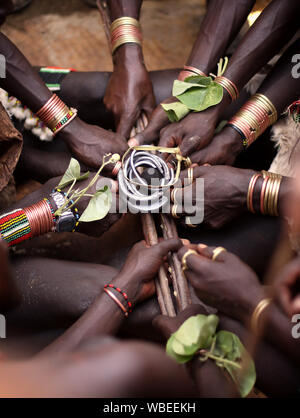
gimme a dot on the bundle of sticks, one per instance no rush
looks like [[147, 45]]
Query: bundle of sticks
[[171, 301]]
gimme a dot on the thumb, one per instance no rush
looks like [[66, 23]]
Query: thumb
[[190, 145], [163, 247], [126, 123]]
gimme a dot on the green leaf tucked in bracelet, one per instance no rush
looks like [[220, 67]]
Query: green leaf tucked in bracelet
[[72, 173], [98, 206], [197, 335], [194, 94]]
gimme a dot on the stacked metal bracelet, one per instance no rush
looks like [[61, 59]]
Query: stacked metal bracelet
[[268, 195], [125, 30], [189, 71], [254, 118], [69, 219], [56, 114], [229, 86]]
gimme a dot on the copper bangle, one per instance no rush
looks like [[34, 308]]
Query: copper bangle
[[229, 86], [116, 300], [262, 194], [252, 183], [262, 305], [40, 218]]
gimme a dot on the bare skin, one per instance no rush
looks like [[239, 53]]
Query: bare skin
[[225, 193], [227, 145], [129, 91], [248, 58], [214, 282], [9, 295], [226, 19], [89, 143]]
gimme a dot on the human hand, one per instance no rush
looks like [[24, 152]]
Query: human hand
[[227, 283], [89, 143], [192, 133], [223, 149], [129, 91], [225, 193], [167, 325], [142, 266]]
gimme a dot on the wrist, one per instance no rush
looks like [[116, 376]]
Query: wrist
[[234, 139], [69, 132], [254, 296], [124, 281], [246, 176], [128, 55]]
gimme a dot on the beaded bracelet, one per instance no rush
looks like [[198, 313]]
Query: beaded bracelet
[[22, 224], [189, 71], [254, 118], [125, 30], [117, 289], [56, 114]]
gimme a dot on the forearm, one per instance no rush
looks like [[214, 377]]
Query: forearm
[[104, 317], [281, 75], [128, 51], [271, 31], [220, 26], [120, 8], [22, 81], [271, 89]]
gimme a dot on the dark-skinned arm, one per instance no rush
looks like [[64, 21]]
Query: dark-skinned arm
[[221, 24], [219, 27], [279, 86], [88, 142], [271, 31], [129, 91], [104, 317]]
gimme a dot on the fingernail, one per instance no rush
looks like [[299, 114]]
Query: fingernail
[[133, 142], [202, 246], [185, 241]]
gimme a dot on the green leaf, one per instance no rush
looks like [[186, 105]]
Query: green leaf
[[199, 98], [72, 173], [195, 333], [242, 369], [199, 79], [197, 330], [180, 87], [178, 358], [175, 111], [98, 206]]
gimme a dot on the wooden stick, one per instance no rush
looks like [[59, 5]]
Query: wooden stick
[[162, 285], [179, 281]]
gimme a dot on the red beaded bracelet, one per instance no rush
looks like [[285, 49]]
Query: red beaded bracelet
[[117, 289]]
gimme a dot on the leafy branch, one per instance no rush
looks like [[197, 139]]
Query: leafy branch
[[100, 201], [198, 336]]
